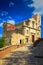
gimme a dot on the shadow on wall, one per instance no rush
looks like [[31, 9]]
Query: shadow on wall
[[34, 57], [38, 51], [37, 42], [19, 58]]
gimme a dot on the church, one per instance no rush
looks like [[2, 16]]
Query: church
[[25, 32]]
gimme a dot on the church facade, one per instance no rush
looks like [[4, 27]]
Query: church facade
[[25, 32]]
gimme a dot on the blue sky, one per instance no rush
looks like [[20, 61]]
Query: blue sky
[[15, 11]]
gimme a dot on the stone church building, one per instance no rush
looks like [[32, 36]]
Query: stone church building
[[25, 32]]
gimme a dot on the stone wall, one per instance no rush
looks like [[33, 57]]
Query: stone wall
[[4, 51]]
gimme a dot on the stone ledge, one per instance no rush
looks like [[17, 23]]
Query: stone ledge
[[4, 51]]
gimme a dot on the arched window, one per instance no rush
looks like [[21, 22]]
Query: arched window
[[27, 31], [27, 22], [32, 24]]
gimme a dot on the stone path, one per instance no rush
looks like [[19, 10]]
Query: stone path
[[21, 56]]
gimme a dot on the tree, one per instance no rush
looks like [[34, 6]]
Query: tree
[[2, 42]]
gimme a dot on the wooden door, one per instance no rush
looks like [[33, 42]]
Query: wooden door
[[32, 38]]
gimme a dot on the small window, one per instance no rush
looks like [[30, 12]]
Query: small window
[[20, 41], [39, 20], [36, 23], [27, 31], [33, 24], [27, 22], [26, 40], [32, 38]]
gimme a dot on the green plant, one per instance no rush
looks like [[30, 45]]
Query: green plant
[[2, 42]]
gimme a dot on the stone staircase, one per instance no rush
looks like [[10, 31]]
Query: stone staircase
[[21, 56]]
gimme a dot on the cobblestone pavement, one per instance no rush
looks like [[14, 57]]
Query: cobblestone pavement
[[21, 56]]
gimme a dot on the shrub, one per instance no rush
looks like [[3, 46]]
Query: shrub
[[2, 42]]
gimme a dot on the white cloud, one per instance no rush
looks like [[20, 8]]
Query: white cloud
[[4, 13], [11, 21], [0, 35], [11, 4], [9, 17], [1, 24], [38, 5]]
